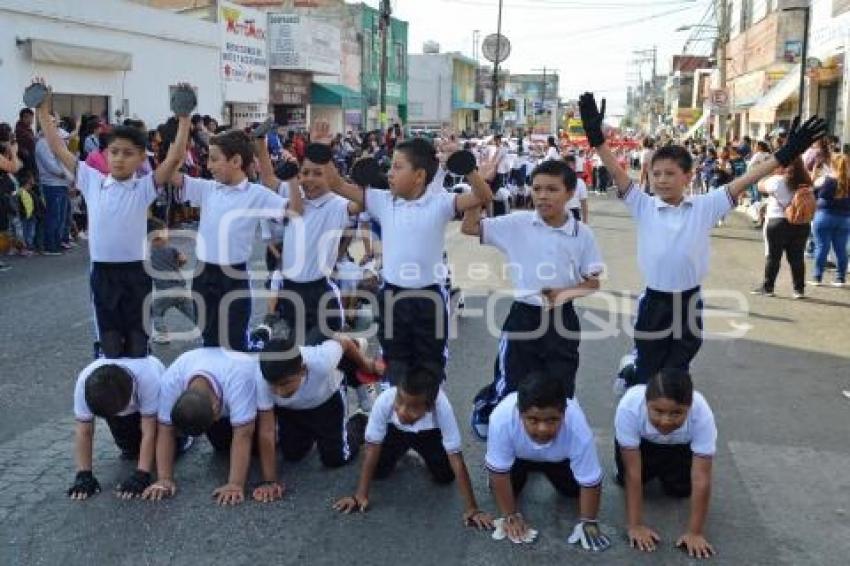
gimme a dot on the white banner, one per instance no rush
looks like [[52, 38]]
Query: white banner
[[302, 43], [244, 62]]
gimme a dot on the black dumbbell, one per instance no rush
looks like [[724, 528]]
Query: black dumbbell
[[461, 163]]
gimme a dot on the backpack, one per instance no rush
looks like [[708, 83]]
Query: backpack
[[801, 209]]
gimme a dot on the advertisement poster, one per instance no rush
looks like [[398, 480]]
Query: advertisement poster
[[244, 62]]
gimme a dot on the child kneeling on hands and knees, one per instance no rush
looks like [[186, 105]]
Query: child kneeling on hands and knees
[[214, 392], [415, 414], [665, 429], [538, 429]]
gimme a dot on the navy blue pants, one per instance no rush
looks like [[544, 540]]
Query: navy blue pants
[[668, 332]]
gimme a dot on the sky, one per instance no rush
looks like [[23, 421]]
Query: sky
[[590, 42]]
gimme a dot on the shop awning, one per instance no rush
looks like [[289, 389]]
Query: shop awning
[[764, 111], [327, 94], [699, 124], [79, 56]]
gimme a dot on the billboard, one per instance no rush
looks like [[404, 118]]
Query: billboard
[[303, 43], [244, 64]]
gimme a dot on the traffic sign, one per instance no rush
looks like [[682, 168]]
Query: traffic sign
[[719, 99]]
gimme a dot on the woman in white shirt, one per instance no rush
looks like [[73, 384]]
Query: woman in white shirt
[[781, 236], [552, 151]]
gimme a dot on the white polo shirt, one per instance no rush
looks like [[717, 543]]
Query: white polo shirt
[[631, 424], [508, 441], [552, 154], [442, 417], [233, 377], [413, 235], [311, 241], [117, 214], [229, 217], [579, 195], [321, 381], [540, 256], [673, 242], [146, 374]]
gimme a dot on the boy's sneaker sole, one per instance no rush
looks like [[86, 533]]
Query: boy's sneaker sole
[[479, 429]]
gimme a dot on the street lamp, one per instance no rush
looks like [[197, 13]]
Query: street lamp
[[796, 6], [696, 26]]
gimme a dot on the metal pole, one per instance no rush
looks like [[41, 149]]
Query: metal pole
[[800, 108], [721, 63], [385, 22], [494, 122]]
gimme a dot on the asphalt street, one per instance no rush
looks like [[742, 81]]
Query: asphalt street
[[781, 491]]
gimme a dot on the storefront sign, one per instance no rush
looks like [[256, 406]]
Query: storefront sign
[[246, 114], [244, 65], [290, 88], [302, 43]]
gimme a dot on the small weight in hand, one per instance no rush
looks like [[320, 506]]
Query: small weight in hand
[[461, 163], [366, 172], [34, 95], [263, 129], [183, 100]]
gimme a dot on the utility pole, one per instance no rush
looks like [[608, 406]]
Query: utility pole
[[386, 10], [494, 123], [545, 70], [722, 40]]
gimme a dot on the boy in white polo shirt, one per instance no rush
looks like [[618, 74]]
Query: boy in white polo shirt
[[413, 324], [666, 430], [673, 238], [231, 208], [537, 429], [117, 207], [300, 403], [311, 241], [415, 415], [577, 205], [554, 259], [125, 393], [208, 391]]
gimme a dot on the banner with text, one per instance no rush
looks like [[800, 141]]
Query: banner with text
[[244, 62]]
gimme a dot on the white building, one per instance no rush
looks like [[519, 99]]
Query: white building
[[107, 57], [441, 91]]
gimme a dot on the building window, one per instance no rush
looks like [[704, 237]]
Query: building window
[[416, 109], [746, 14], [400, 58], [76, 105], [367, 51]]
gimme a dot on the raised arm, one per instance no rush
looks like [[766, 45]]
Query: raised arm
[[471, 225], [51, 134], [592, 118], [10, 163], [800, 138], [267, 176], [480, 195], [320, 132], [176, 153]]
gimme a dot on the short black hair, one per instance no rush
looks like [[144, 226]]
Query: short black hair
[[192, 413], [557, 168], [235, 142], [676, 153], [671, 383], [25, 175], [196, 119], [108, 390], [280, 360], [541, 390], [421, 381], [133, 135], [25, 112], [422, 155]]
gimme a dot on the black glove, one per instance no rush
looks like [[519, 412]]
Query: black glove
[[135, 484], [592, 118], [800, 138], [85, 482]]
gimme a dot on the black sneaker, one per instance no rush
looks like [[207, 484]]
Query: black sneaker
[[763, 291], [356, 428]]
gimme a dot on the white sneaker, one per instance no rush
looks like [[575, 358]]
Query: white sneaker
[[797, 295], [816, 283], [838, 284]]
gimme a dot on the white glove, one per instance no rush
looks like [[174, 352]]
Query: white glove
[[500, 534], [591, 538]]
